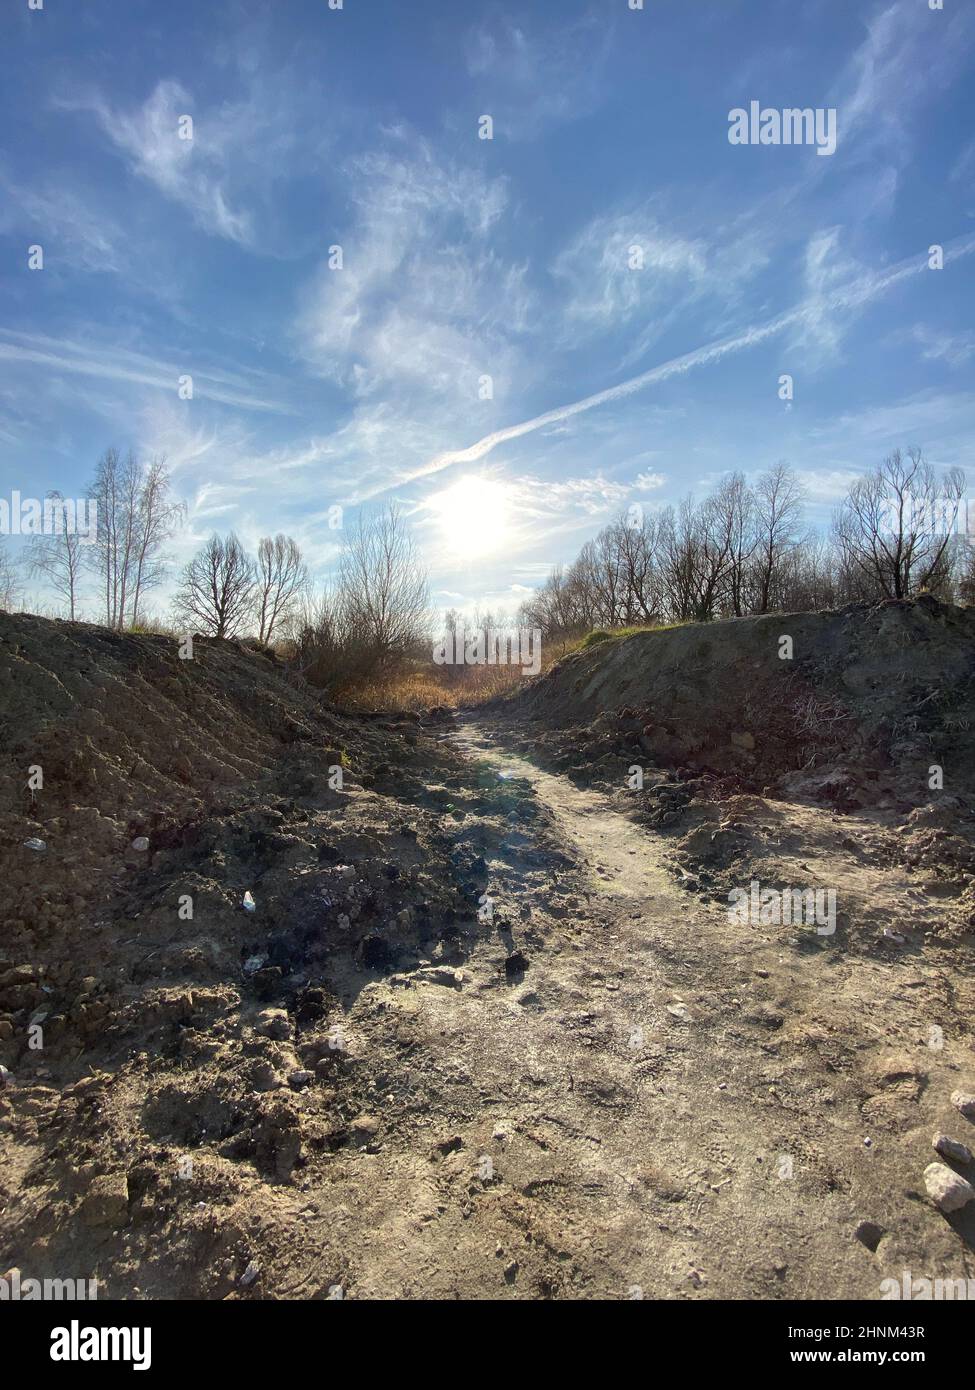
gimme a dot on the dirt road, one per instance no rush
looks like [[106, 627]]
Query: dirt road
[[484, 1034], [659, 1103]]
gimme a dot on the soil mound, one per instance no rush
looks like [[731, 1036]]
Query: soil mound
[[868, 691], [202, 864]]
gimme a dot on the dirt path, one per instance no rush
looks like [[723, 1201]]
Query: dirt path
[[600, 1086], [657, 1104]]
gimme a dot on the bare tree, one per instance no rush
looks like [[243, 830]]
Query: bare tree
[[639, 541], [734, 513], [896, 526], [59, 554], [382, 588], [217, 588], [312, 627], [9, 582], [778, 513], [107, 490], [136, 516], [157, 518], [966, 571], [281, 580]]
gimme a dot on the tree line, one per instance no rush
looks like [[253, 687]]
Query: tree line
[[745, 548]]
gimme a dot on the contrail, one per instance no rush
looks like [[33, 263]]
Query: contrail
[[859, 291]]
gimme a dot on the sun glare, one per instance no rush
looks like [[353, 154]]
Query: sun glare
[[473, 515]]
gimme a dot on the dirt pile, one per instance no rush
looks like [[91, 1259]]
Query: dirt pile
[[866, 709], [209, 864], [829, 700]]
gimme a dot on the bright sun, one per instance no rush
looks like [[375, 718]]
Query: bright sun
[[473, 515]]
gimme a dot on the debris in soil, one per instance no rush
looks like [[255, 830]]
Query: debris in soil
[[358, 1090]]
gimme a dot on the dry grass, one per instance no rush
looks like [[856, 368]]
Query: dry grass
[[424, 685]]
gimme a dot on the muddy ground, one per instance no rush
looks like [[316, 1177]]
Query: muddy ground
[[489, 1030]]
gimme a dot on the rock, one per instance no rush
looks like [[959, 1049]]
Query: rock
[[273, 1023], [5, 1077], [679, 1011], [262, 1075], [254, 963], [367, 1125], [743, 740], [950, 1148], [299, 1078], [946, 1189], [516, 964], [442, 975], [868, 1233], [965, 1102], [249, 1275], [140, 844], [765, 1017], [106, 1202]]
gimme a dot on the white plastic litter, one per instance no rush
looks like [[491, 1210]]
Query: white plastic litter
[[34, 843], [249, 905], [140, 843]]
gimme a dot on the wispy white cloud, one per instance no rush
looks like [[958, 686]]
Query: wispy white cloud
[[529, 79], [909, 55], [857, 292], [939, 345], [637, 266], [74, 235], [649, 482], [137, 368], [421, 299], [189, 171]]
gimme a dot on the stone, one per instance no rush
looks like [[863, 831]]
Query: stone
[[273, 1023], [964, 1101], [442, 975], [516, 964], [743, 740], [299, 1078], [946, 1189], [951, 1148], [140, 844], [367, 1125]]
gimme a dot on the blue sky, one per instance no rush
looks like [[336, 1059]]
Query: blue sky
[[465, 258]]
